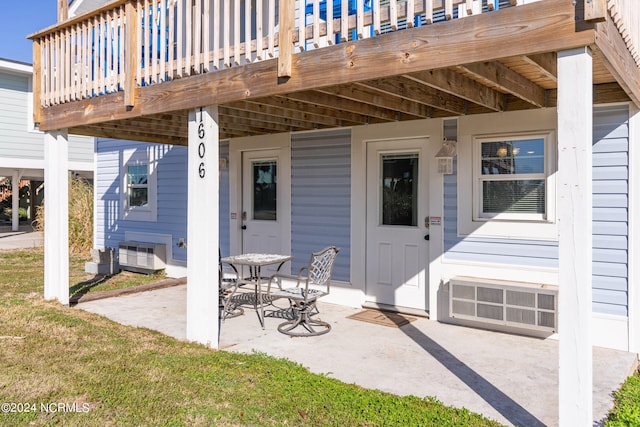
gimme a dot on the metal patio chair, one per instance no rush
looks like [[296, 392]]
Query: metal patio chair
[[302, 298], [228, 287]]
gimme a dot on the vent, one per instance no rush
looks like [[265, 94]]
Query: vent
[[142, 257], [523, 305]]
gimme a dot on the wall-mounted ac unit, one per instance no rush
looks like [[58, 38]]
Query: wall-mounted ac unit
[[142, 257], [521, 305]]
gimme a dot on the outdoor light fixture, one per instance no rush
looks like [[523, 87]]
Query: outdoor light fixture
[[445, 156]]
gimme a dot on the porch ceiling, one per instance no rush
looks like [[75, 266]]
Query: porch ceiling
[[515, 83], [480, 64]]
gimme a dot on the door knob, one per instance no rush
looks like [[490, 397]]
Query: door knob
[[426, 237], [244, 227]]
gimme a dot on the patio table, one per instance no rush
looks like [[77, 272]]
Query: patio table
[[255, 262]]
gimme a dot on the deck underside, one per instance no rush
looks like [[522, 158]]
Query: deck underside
[[503, 61]]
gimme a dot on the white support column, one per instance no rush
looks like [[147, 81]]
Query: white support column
[[575, 129], [56, 216], [202, 227], [15, 200]]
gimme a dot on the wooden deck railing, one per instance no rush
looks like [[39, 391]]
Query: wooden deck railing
[[129, 44], [626, 15]]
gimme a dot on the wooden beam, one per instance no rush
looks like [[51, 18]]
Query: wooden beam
[[230, 113], [63, 10], [363, 94], [595, 10], [546, 63], [404, 52], [456, 84], [275, 108], [345, 118], [574, 210], [132, 61], [618, 59], [37, 81], [319, 98], [500, 76], [412, 90], [285, 40]]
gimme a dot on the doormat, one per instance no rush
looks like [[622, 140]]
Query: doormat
[[384, 318]]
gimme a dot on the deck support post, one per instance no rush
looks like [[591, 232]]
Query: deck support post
[[15, 200], [575, 135], [56, 216], [202, 227]]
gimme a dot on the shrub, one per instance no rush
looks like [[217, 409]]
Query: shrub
[[80, 217]]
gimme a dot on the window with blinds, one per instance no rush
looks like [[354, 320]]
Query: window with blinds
[[512, 176]]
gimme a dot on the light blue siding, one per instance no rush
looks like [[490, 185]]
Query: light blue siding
[[320, 197], [531, 253], [610, 209], [172, 195], [610, 219], [16, 140]]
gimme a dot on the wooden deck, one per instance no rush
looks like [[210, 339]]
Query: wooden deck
[[500, 60]]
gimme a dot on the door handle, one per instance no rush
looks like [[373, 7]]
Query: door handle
[[426, 237], [244, 227]]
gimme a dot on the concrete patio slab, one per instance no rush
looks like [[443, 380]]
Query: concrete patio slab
[[24, 238], [512, 379]]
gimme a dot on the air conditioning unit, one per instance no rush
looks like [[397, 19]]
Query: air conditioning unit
[[142, 257], [517, 304]]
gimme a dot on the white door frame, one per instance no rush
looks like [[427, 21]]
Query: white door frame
[[282, 142], [360, 136]]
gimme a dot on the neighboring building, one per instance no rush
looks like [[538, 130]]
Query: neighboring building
[[340, 132], [22, 146]]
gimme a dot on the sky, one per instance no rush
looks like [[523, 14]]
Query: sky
[[19, 18]]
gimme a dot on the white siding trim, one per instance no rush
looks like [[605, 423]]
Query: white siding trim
[[634, 229]]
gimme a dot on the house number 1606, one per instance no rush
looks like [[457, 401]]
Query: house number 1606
[[201, 150]]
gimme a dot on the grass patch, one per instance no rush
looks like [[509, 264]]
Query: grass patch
[[117, 375], [626, 412]]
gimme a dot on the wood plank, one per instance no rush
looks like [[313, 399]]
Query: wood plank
[[458, 85], [276, 109], [197, 37], [236, 32], [329, 25], [63, 10], [414, 91], [216, 35], [546, 63], [255, 117], [131, 60], [403, 52], [259, 31], [163, 41], [179, 37], [507, 80], [172, 40], [285, 43], [618, 59], [226, 25], [272, 28], [361, 93], [319, 98], [321, 113], [37, 80], [595, 10]]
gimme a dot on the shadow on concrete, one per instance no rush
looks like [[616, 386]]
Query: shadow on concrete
[[501, 402]]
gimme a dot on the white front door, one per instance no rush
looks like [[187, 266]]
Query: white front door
[[397, 195], [262, 202]]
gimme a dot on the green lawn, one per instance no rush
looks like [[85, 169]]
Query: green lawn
[[64, 366]]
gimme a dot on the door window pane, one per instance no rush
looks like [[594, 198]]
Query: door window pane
[[264, 190], [400, 189]]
